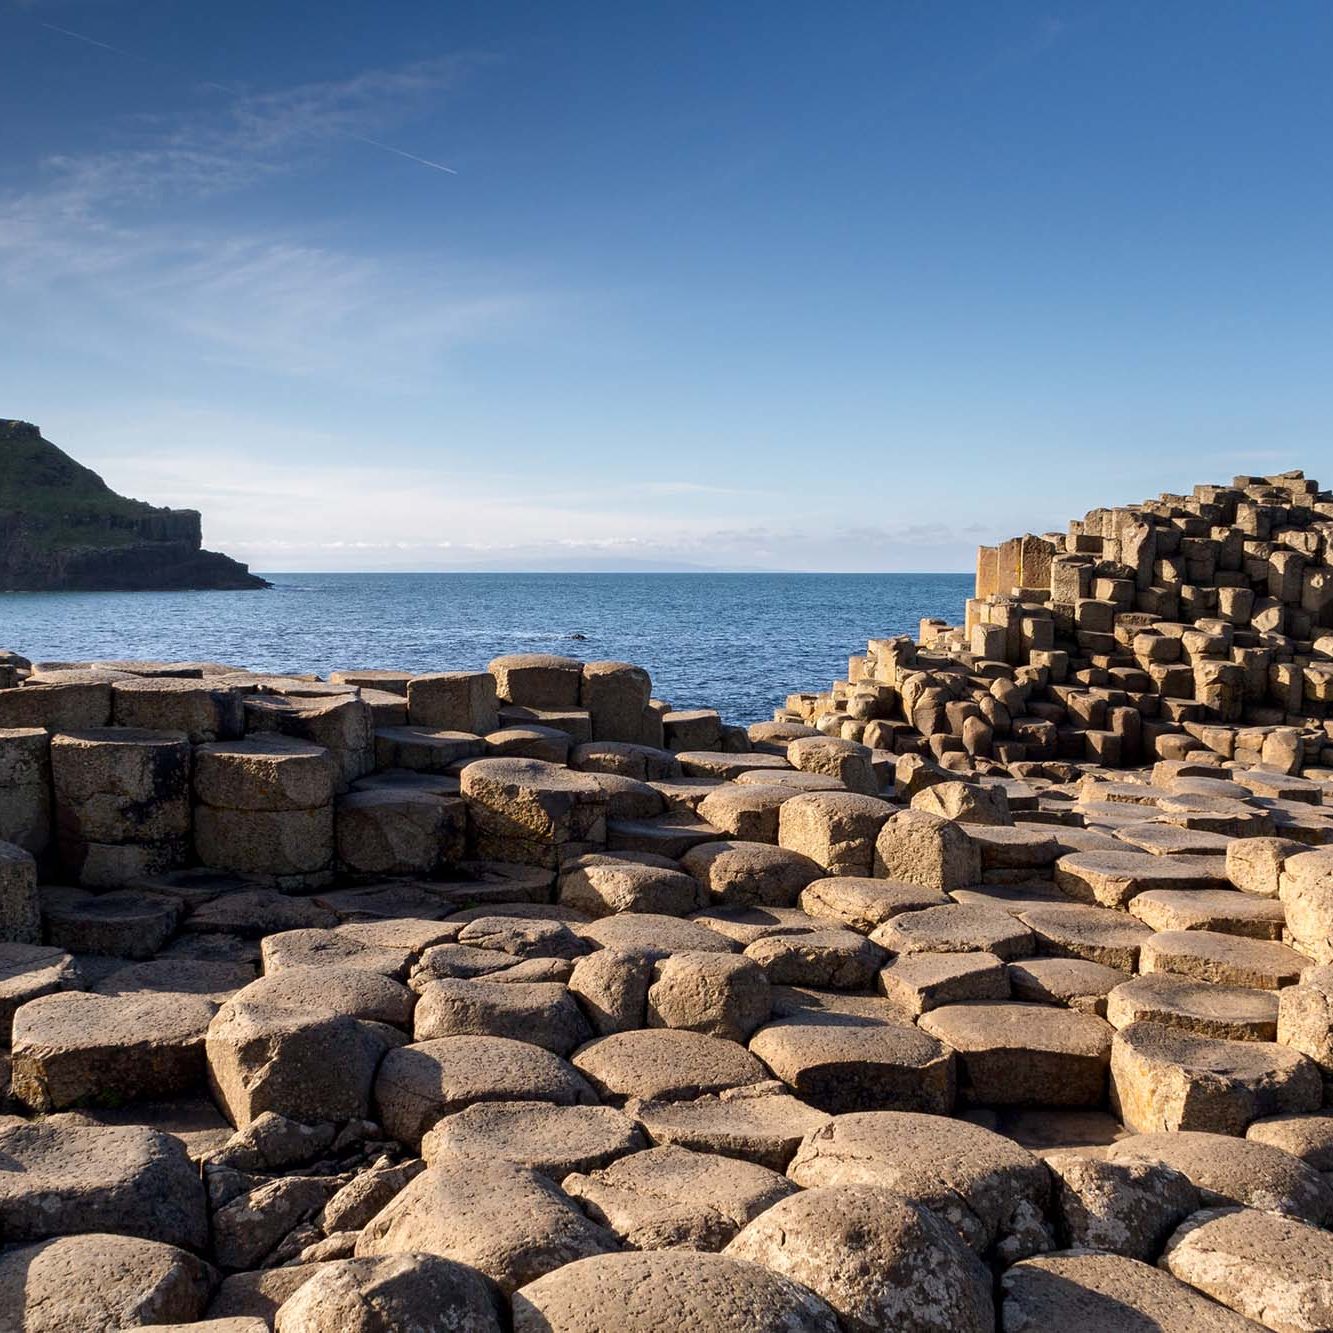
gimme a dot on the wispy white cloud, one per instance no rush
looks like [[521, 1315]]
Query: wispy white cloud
[[114, 238]]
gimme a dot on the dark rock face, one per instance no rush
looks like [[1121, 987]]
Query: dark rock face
[[63, 528]]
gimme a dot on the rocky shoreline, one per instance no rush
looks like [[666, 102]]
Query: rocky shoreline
[[991, 988]]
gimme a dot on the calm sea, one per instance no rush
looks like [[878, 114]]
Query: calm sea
[[736, 642]]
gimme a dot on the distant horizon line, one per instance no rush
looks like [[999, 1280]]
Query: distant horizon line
[[621, 573]]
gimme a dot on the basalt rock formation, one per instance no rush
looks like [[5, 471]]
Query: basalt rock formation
[[519, 999], [63, 528]]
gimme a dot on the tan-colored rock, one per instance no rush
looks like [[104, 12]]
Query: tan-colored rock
[[63, 1175], [416, 1085], [531, 812], [454, 701], [28, 971], [880, 1260], [1096, 934], [1107, 1291], [1163, 1078], [307, 1065], [1232, 1172], [552, 1140], [965, 803], [25, 787], [1114, 879], [509, 1222], [746, 812], [95, 1281], [387, 832], [749, 874], [1127, 1208], [828, 756], [673, 1198], [1220, 910], [537, 680], [984, 1184], [655, 935], [20, 906], [609, 887], [826, 959], [1306, 892], [663, 1064], [1200, 1007], [861, 903], [1269, 1268], [956, 929], [918, 982], [721, 995], [1073, 982], [659, 1289], [1022, 1054], [543, 1013], [1254, 865], [1308, 1136], [72, 1047], [1227, 960], [914, 847], [1305, 1019], [754, 1124], [837, 830], [840, 1065]]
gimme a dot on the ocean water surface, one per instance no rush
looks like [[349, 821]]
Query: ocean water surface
[[736, 642]]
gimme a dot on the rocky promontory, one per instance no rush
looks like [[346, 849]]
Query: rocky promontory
[[62, 528]]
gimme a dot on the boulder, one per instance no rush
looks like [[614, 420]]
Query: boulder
[[419, 1084], [607, 888], [836, 830], [543, 1013], [1272, 1269], [841, 1064], [119, 924], [537, 680], [673, 1198], [611, 987], [861, 903], [1306, 891], [504, 1219], [1084, 1290], [919, 982], [1092, 933], [749, 874], [1163, 1078], [396, 1291], [1127, 1208], [918, 848], [661, 1289], [718, 994], [880, 1260], [1015, 1054], [965, 803], [20, 906], [831, 757], [984, 1184], [387, 831], [95, 1281], [532, 812], [1114, 879], [552, 1140], [454, 701], [72, 1047], [956, 929], [665, 1064], [62, 1176]]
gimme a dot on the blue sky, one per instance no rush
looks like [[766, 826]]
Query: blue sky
[[729, 284]]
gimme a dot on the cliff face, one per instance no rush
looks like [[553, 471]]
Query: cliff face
[[63, 527]]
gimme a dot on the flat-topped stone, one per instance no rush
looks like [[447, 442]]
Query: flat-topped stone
[[955, 929], [1114, 879], [1228, 960], [1073, 982], [862, 903], [1221, 910], [1205, 1008], [31, 970], [1096, 934], [665, 1064], [830, 959], [1164, 1078], [918, 982]]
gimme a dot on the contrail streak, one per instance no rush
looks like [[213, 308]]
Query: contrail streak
[[238, 95]]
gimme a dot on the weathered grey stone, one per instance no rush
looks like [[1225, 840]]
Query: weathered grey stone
[[1305, 1020], [395, 1291], [747, 812], [673, 1198], [63, 1176], [831, 959], [955, 929], [862, 903], [1221, 910], [454, 701], [419, 1084], [552, 1140], [880, 1260], [615, 695], [655, 935], [511, 1223], [72, 1047], [399, 832], [755, 1124], [837, 830], [543, 1013], [1107, 1291], [984, 1184], [1114, 879], [831, 757], [1308, 1136], [648, 1292], [527, 811], [749, 874], [76, 1284], [1306, 891], [1269, 1268], [665, 1064], [118, 924], [965, 803], [25, 787], [1127, 1208], [840, 1064], [606, 888], [20, 907], [264, 772], [28, 971], [248, 1228], [254, 913], [719, 994]]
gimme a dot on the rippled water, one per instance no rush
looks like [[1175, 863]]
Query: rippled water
[[736, 642]]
